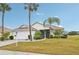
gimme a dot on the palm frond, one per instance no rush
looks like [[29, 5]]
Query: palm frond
[[56, 20], [31, 6], [4, 6]]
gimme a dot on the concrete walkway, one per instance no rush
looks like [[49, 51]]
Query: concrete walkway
[[6, 52]]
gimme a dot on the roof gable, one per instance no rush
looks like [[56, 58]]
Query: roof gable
[[39, 26], [23, 28]]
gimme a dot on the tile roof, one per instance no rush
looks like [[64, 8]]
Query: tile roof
[[24, 28], [36, 26]]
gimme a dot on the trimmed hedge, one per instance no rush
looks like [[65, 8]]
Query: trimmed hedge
[[58, 36]]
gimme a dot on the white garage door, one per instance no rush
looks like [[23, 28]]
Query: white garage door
[[23, 35]]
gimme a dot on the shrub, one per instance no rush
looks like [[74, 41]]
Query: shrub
[[37, 35], [6, 35], [2, 38], [56, 36], [51, 36], [11, 37], [57, 33], [61, 36], [64, 36]]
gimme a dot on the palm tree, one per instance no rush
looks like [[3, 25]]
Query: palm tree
[[3, 8], [30, 7], [56, 20], [50, 21]]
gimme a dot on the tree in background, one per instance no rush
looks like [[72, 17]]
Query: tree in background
[[73, 33]]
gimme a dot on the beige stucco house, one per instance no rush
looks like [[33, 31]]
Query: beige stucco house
[[22, 31]]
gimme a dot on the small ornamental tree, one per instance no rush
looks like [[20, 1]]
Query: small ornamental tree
[[6, 35], [37, 35]]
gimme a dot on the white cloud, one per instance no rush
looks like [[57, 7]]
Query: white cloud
[[40, 14]]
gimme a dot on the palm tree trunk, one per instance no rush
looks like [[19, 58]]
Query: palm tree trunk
[[30, 24], [3, 22], [50, 31]]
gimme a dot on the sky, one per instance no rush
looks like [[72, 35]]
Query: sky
[[68, 13]]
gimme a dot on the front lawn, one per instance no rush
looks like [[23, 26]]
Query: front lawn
[[48, 46]]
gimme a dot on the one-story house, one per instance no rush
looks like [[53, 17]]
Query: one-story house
[[22, 31], [6, 29]]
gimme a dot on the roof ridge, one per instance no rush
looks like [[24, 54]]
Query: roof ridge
[[37, 22]]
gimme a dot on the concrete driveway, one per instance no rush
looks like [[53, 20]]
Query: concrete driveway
[[3, 43], [7, 42], [6, 52]]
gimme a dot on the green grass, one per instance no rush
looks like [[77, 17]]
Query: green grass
[[49, 46]]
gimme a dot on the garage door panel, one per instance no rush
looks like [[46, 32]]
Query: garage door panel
[[23, 35]]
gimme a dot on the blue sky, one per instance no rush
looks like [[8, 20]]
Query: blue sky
[[68, 13]]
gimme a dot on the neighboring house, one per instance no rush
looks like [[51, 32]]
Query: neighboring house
[[5, 30], [22, 32]]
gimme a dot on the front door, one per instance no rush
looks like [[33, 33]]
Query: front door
[[47, 33]]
